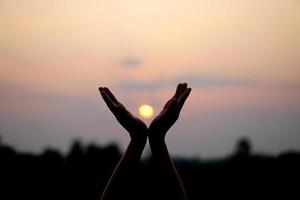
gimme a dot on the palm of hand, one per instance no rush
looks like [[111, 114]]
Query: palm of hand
[[161, 123], [170, 113], [136, 128]]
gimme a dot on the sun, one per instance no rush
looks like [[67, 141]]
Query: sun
[[146, 111]]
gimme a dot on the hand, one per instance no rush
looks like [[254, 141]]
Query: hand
[[136, 128], [170, 113]]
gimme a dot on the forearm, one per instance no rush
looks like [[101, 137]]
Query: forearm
[[165, 167], [122, 174], [160, 153]]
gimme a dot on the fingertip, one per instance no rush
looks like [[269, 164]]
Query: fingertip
[[100, 88], [180, 85], [185, 94], [178, 88], [107, 90]]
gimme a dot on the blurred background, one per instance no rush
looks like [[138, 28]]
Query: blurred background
[[238, 134], [240, 57]]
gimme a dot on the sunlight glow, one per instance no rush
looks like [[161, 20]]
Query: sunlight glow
[[146, 111]]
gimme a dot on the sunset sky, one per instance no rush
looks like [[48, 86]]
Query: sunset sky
[[241, 58]]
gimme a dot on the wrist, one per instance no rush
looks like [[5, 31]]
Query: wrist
[[156, 134], [156, 137], [141, 141], [138, 136]]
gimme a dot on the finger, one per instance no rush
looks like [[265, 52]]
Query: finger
[[121, 113], [111, 96], [184, 87], [184, 94], [177, 94], [167, 104], [178, 91], [183, 98], [107, 100], [172, 105], [181, 89]]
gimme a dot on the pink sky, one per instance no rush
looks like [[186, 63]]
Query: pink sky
[[240, 57]]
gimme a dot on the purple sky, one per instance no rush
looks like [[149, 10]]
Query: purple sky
[[240, 57]]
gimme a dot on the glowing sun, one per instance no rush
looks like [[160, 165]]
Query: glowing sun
[[146, 111]]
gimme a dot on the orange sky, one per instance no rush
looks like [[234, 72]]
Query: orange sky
[[237, 55]]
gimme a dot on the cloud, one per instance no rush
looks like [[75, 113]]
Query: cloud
[[207, 81], [130, 62], [287, 85], [194, 80]]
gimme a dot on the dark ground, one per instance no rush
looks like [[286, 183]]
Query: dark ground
[[84, 171]]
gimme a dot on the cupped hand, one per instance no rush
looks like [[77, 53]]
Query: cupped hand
[[136, 128], [170, 113]]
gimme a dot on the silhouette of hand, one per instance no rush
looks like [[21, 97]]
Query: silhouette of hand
[[136, 128], [170, 113]]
